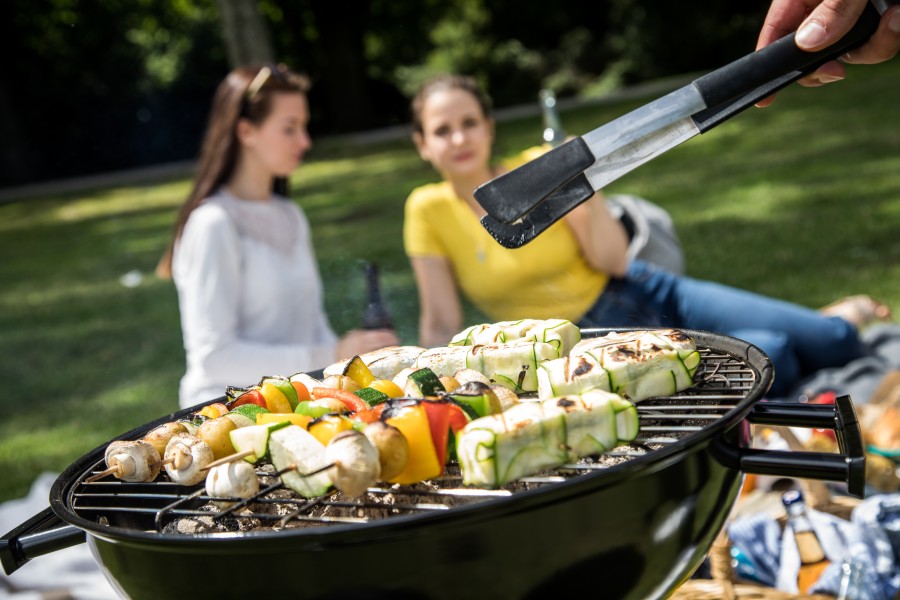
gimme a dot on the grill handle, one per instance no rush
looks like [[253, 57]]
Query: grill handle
[[849, 466], [41, 534]]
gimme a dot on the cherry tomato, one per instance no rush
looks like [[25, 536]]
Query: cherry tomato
[[302, 391], [249, 397]]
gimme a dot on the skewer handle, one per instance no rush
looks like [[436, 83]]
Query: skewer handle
[[230, 458], [115, 470]]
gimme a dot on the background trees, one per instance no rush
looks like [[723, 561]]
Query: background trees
[[104, 85]]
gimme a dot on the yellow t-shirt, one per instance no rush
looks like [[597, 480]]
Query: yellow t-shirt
[[546, 278]]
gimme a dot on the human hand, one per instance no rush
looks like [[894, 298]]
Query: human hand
[[821, 23], [359, 341]]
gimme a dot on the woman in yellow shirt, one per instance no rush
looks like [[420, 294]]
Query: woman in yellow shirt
[[578, 269]]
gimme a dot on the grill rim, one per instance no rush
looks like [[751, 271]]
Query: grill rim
[[63, 489]]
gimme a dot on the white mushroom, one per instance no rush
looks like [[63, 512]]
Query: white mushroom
[[232, 480], [187, 457], [464, 376], [132, 461], [355, 460]]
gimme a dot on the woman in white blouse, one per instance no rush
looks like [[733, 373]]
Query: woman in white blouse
[[249, 289]]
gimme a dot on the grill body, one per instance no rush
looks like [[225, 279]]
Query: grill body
[[633, 527], [637, 537]]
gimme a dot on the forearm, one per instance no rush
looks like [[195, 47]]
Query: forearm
[[440, 315], [602, 237]]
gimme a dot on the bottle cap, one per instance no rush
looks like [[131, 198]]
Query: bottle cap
[[792, 497]]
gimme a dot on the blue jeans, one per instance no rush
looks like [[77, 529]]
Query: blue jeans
[[798, 340]]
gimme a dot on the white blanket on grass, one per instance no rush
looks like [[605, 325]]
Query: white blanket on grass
[[69, 573]]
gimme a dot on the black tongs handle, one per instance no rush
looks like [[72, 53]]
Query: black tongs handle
[[749, 79]]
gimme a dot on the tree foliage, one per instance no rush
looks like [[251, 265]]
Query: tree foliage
[[98, 85]]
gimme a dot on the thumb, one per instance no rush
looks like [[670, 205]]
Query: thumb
[[828, 23]]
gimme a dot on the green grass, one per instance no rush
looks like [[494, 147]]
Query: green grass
[[799, 201]]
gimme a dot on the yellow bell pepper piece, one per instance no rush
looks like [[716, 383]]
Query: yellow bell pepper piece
[[276, 401], [266, 418], [328, 426], [412, 421], [357, 370], [386, 386]]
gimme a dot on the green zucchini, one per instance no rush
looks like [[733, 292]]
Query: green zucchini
[[423, 383], [372, 396]]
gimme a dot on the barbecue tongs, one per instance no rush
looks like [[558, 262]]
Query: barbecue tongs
[[524, 202]]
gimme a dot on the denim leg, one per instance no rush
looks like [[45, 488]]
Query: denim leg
[[652, 297]]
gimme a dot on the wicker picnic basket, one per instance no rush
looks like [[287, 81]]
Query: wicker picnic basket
[[725, 585]]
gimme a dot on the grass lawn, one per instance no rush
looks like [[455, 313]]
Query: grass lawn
[[800, 201]]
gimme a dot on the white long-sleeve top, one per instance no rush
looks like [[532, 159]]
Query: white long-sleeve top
[[249, 294]]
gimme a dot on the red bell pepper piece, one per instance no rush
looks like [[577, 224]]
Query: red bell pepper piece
[[354, 403], [444, 416], [368, 415]]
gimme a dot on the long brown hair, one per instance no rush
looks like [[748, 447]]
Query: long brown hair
[[245, 93]]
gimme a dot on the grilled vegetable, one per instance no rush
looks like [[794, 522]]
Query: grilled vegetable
[[412, 421], [422, 383], [596, 422], [561, 333], [133, 461], [297, 450], [255, 439], [393, 449], [308, 382], [357, 370], [160, 436], [512, 365], [188, 456], [531, 437], [371, 396], [384, 363], [635, 365], [292, 418], [355, 460], [327, 427], [479, 399], [231, 480], [285, 386], [215, 433], [276, 400]]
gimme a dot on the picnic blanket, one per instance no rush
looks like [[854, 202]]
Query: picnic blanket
[[71, 573], [861, 377], [870, 541]]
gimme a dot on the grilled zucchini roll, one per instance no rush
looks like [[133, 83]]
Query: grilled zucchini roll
[[636, 365], [513, 365], [559, 332], [531, 437]]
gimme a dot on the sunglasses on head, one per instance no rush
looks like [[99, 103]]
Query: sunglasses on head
[[261, 78]]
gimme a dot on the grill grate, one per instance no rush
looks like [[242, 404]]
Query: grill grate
[[722, 381]]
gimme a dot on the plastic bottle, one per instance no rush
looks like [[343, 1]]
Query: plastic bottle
[[376, 315], [554, 134], [852, 588], [812, 556]]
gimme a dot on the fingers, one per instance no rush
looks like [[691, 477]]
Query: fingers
[[828, 73], [828, 23], [783, 17], [882, 46]]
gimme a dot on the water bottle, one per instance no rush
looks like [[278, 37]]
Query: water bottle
[[376, 315], [852, 581], [554, 134]]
